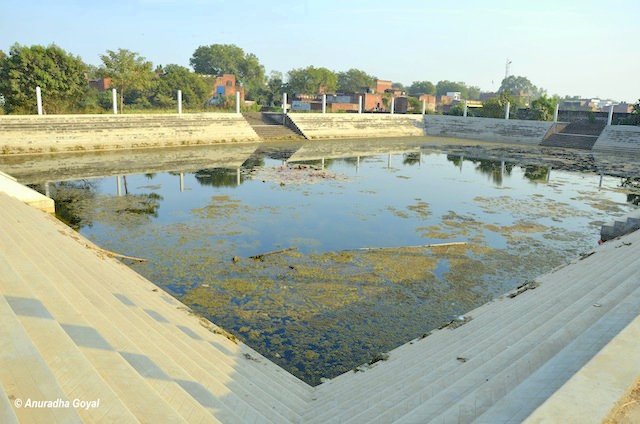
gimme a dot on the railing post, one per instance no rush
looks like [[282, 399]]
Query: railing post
[[466, 108], [324, 103], [238, 102], [555, 113], [506, 110], [610, 118], [393, 105], [114, 100], [179, 102], [39, 100], [360, 104], [424, 106], [284, 108]]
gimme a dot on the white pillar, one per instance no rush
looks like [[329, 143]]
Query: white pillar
[[506, 110], [610, 118], [181, 182], [47, 190], [359, 104], [179, 102], [284, 103], [357, 164], [466, 108], [324, 103], [424, 107], [118, 185], [114, 100], [321, 163], [237, 176], [39, 100], [393, 105], [555, 113], [237, 102]]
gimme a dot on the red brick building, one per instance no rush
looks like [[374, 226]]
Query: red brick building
[[226, 85], [100, 84]]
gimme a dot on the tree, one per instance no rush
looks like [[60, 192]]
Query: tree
[[128, 71], [218, 59], [520, 88], [418, 88], [543, 108], [496, 106], [311, 80], [354, 81], [473, 93], [172, 78], [397, 86], [444, 87], [59, 74]]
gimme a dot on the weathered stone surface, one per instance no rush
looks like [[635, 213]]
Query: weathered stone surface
[[487, 129], [619, 138], [345, 125], [55, 133]]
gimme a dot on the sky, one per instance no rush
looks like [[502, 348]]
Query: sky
[[568, 47]]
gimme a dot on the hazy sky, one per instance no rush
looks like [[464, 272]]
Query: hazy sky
[[581, 47]]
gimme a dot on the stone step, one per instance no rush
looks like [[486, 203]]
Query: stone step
[[163, 347], [6, 408], [507, 377], [92, 358], [473, 335], [169, 333], [24, 374], [571, 141]]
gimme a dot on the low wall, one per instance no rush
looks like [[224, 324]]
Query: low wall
[[356, 125], [487, 129], [11, 187], [619, 138], [54, 133]]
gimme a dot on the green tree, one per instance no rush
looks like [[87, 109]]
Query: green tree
[[443, 87], [311, 80], [457, 109], [172, 78], [418, 88], [59, 74], [354, 81], [128, 72], [218, 59], [271, 95], [473, 93], [543, 108], [520, 88], [495, 107]]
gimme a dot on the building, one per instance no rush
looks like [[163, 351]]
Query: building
[[455, 95], [226, 86], [382, 86], [100, 84], [429, 102]]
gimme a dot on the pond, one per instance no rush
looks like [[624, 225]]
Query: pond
[[349, 271]]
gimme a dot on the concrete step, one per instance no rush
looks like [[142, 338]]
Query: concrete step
[[68, 342], [506, 378], [571, 141], [443, 350], [142, 315], [24, 374], [163, 347], [540, 341], [6, 408], [549, 378], [75, 311]]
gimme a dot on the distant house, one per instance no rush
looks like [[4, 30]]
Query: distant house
[[454, 95], [100, 84], [382, 86], [429, 101], [225, 86]]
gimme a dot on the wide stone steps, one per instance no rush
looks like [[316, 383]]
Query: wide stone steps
[[267, 129], [466, 341], [199, 365], [570, 141], [501, 374], [621, 226]]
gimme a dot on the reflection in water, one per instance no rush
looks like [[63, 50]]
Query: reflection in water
[[219, 177], [325, 307]]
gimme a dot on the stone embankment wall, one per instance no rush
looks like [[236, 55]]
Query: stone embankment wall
[[352, 125], [619, 138], [488, 129], [56, 133]]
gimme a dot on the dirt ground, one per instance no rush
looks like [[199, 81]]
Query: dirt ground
[[627, 410]]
